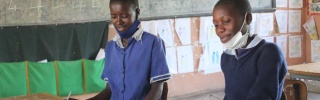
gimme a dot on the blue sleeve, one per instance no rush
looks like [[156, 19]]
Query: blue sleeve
[[104, 75], [271, 75], [159, 67]]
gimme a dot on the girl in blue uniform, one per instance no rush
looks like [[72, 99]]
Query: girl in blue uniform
[[253, 68], [135, 64]]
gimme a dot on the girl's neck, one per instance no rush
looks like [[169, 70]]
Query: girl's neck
[[124, 42]]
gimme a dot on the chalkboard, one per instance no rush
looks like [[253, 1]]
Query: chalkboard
[[29, 12], [35, 12]]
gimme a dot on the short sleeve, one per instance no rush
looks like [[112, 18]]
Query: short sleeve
[[104, 75], [159, 66]]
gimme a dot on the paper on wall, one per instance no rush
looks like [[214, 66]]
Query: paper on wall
[[315, 50], [282, 20], [294, 20], [265, 24], [281, 41], [294, 46], [207, 30], [211, 57], [165, 31], [150, 26], [171, 57], [311, 28], [183, 29], [282, 3], [295, 3], [185, 59]]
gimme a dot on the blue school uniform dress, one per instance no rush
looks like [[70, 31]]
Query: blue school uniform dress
[[254, 73], [130, 71]]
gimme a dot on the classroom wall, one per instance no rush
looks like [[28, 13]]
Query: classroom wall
[[308, 39], [305, 54]]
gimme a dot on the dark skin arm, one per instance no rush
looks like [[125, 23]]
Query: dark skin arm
[[155, 91], [103, 95]]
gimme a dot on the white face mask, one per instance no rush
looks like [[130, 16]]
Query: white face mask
[[237, 40]]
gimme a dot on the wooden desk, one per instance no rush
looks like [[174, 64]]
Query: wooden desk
[[310, 71], [42, 96]]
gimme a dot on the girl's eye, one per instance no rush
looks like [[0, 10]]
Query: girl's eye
[[226, 22], [113, 17], [124, 16], [215, 25]]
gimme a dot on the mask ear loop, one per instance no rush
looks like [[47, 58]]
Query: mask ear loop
[[244, 20]]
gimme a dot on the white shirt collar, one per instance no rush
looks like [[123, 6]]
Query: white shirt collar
[[137, 36]]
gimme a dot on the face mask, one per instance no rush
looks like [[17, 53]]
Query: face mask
[[237, 40], [129, 32]]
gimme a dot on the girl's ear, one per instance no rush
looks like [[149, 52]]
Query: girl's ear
[[249, 18], [137, 13]]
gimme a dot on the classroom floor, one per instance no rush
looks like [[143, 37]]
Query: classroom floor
[[206, 95]]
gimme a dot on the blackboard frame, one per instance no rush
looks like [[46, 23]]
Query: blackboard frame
[[254, 10], [63, 17]]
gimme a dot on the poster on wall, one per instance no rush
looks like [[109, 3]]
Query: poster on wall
[[265, 24], [185, 59], [165, 31], [150, 26], [311, 28], [282, 20], [211, 57], [207, 30], [295, 3], [315, 50], [282, 3], [281, 41], [183, 29], [294, 20], [295, 46], [171, 57], [313, 7]]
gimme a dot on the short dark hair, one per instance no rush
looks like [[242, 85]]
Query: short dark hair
[[241, 6], [134, 3]]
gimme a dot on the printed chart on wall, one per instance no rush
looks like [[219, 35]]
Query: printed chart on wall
[[171, 57], [294, 20], [183, 29], [265, 24], [207, 30], [282, 3], [282, 43], [315, 50], [165, 31], [211, 57], [295, 3], [311, 28], [282, 20], [150, 26], [185, 59], [295, 46], [212, 47]]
